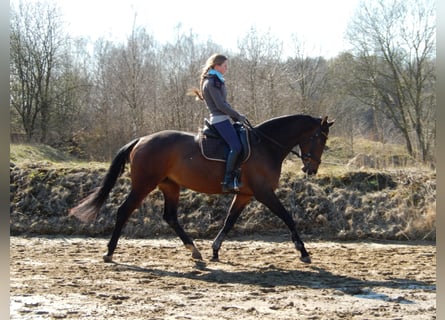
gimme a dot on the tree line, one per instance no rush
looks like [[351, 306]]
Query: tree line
[[90, 98]]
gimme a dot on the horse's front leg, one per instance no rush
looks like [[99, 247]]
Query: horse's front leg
[[238, 204], [273, 203], [171, 200]]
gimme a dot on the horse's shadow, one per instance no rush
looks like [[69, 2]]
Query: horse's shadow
[[272, 277]]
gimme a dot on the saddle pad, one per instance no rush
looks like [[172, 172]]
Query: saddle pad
[[216, 149]]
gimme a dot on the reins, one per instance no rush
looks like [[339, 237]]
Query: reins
[[259, 133]]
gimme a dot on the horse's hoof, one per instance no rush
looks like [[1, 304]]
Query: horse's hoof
[[306, 259], [214, 259], [201, 265], [108, 259], [196, 255]]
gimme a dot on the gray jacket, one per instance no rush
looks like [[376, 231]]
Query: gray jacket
[[215, 93]]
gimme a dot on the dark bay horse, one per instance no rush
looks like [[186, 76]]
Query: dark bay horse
[[170, 160]]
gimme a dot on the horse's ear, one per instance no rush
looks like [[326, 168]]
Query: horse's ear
[[325, 121]]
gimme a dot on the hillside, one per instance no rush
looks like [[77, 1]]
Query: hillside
[[342, 202]]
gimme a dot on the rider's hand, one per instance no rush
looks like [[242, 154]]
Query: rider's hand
[[242, 118]]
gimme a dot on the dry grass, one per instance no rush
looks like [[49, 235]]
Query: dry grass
[[29, 155], [33, 153], [366, 154], [340, 202]]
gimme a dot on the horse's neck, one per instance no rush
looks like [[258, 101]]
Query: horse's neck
[[287, 130]]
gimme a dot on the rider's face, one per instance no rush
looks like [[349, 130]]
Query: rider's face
[[222, 68]]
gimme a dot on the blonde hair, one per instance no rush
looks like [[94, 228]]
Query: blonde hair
[[212, 61]]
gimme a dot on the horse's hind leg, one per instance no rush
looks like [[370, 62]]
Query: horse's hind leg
[[123, 213], [171, 197]]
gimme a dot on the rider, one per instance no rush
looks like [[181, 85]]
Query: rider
[[213, 91]]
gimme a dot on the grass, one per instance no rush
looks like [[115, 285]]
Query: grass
[[346, 201], [340, 157], [334, 161], [36, 153], [44, 155], [342, 148], [338, 150]]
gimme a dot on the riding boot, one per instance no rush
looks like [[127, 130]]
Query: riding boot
[[230, 183]]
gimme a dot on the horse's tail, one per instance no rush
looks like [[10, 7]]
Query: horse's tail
[[89, 207]]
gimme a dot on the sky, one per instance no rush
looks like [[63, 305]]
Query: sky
[[318, 24]]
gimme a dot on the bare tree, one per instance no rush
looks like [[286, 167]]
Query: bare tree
[[106, 127], [135, 77], [36, 41], [71, 95], [355, 119], [137, 87], [181, 68], [307, 78], [394, 44], [260, 54], [177, 59]]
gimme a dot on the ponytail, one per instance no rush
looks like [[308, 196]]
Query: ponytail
[[211, 62]]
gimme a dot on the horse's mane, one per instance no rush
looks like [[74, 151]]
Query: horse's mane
[[281, 121]]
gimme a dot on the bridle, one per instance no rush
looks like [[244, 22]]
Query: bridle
[[313, 140], [304, 156]]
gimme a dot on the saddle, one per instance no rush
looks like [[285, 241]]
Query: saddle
[[213, 147]]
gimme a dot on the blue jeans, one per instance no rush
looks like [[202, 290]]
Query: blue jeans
[[227, 131]]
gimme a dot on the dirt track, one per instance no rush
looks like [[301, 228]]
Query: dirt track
[[257, 278]]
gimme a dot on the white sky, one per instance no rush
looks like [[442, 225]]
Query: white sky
[[319, 24]]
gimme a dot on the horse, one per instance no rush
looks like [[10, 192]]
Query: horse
[[171, 160]]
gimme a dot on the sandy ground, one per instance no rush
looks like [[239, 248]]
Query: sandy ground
[[257, 278]]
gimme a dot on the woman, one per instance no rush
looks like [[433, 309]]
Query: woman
[[213, 91]]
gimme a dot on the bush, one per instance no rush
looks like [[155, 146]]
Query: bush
[[397, 204]]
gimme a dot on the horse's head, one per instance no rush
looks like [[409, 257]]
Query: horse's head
[[312, 148]]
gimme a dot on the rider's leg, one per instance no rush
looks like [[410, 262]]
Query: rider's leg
[[227, 131]]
